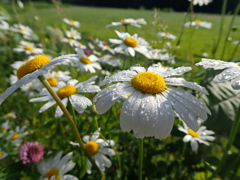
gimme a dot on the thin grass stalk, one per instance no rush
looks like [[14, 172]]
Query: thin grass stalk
[[232, 136], [71, 122], [237, 9], [215, 48], [140, 158], [235, 50]]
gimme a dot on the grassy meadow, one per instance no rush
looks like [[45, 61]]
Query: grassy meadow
[[217, 156]]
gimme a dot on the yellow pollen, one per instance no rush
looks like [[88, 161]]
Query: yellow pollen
[[52, 81], [52, 172], [32, 65], [130, 42], [71, 21], [14, 136], [72, 34], [1, 153], [193, 133], [128, 95], [91, 147], [29, 48], [197, 21], [85, 60], [66, 91], [149, 82]]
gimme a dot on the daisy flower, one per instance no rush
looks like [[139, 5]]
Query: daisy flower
[[231, 71], [86, 63], [57, 167], [4, 127], [31, 70], [159, 54], [151, 99], [99, 150], [3, 154], [73, 34], [16, 136], [10, 115], [71, 22], [69, 91], [200, 2], [110, 60], [194, 137], [28, 48], [31, 152], [24, 30], [4, 25], [129, 44], [198, 23], [166, 35], [71, 42], [128, 21]]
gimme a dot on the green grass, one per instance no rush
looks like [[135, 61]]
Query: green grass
[[93, 21]]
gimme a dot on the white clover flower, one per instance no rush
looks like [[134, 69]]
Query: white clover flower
[[231, 71], [129, 44], [200, 2], [71, 22], [166, 35], [194, 137], [110, 60], [73, 34], [69, 91], [3, 154], [198, 23], [128, 21], [99, 149], [151, 99], [28, 48], [31, 70], [56, 168], [16, 136], [86, 63]]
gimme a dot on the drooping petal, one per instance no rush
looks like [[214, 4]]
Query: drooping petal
[[47, 106], [227, 74], [194, 144]]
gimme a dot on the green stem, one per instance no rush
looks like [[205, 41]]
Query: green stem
[[140, 158], [237, 9], [232, 135], [220, 29], [235, 49], [71, 122]]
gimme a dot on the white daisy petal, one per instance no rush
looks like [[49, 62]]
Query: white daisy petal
[[187, 138], [59, 112], [107, 151], [176, 72], [47, 106], [194, 144], [227, 74]]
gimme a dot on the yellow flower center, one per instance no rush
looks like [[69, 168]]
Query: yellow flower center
[[52, 81], [52, 172], [107, 47], [193, 133], [32, 65], [28, 48], [66, 91], [197, 21], [122, 21], [9, 114], [1, 154], [71, 21], [2, 129], [92, 147], [130, 42], [238, 63], [22, 30], [56, 73], [85, 60], [112, 57], [69, 40], [14, 136], [149, 82], [72, 34]]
